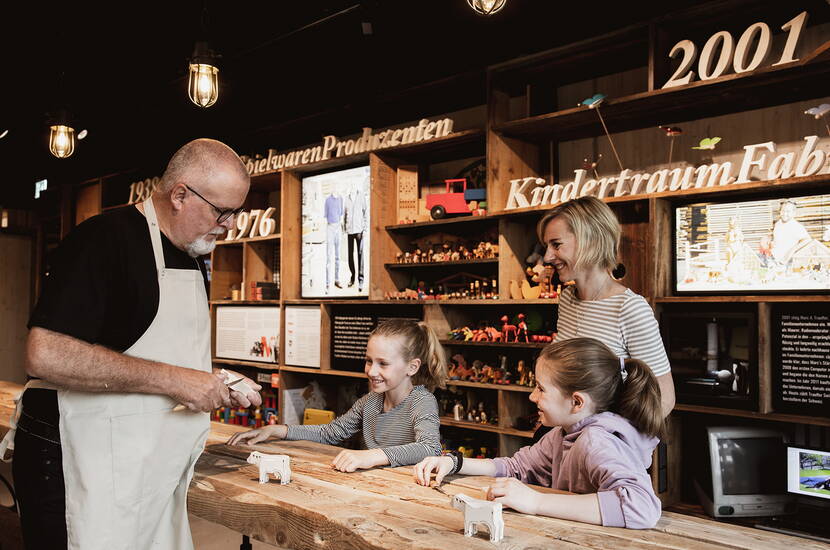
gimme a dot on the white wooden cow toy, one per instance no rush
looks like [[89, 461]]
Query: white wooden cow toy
[[279, 465], [480, 511]]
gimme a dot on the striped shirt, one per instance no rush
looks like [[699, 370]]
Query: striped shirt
[[625, 323], [406, 434]]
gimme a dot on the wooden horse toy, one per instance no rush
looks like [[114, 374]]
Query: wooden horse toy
[[480, 511], [279, 465], [507, 330]]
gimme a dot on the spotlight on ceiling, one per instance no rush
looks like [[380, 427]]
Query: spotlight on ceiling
[[82, 134], [486, 7], [4, 133]]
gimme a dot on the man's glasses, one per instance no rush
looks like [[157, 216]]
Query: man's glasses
[[223, 214]]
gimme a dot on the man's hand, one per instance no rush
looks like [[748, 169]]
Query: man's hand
[[200, 391], [349, 461], [239, 399], [515, 494]]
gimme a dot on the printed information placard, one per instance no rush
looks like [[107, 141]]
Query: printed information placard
[[800, 334], [248, 333]]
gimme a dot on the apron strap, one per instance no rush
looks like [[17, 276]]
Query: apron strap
[[8, 440], [155, 235]]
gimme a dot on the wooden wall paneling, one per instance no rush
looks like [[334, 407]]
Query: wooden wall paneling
[[383, 212], [634, 246], [291, 236], [765, 366], [513, 405], [440, 319], [516, 240], [658, 59], [661, 233], [259, 263], [507, 158], [15, 304], [226, 270], [325, 336], [87, 201], [673, 462]]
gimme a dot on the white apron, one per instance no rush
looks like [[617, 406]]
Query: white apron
[[128, 458]]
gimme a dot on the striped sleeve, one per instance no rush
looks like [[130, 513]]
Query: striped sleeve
[[336, 431], [642, 335], [424, 421]]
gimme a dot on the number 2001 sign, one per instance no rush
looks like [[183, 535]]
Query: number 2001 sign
[[739, 56]]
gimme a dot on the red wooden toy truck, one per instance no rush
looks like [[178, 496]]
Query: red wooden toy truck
[[455, 200]]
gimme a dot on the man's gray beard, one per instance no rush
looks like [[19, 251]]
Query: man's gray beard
[[200, 247]]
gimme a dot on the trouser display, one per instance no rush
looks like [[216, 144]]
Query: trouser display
[[333, 234], [37, 470], [356, 239]]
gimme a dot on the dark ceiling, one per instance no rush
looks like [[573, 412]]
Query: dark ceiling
[[290, 71]]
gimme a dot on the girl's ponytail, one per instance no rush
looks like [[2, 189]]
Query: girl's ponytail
[[433, 372], [588, 365], [418, 342], [639, 399]]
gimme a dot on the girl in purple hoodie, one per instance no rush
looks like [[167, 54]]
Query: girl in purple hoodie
[[607, 416]]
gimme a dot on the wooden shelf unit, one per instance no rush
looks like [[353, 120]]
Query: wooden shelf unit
[[533, 129]]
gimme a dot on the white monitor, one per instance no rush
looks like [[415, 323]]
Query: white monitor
[[808, 472], [744, 476]]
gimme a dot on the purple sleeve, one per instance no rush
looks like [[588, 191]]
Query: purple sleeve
[[626, 497], [532, 464]]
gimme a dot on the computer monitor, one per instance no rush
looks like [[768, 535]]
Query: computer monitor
[[743, 476], [808, 472]]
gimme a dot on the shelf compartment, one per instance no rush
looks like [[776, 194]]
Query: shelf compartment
[[479, 385], [774, 417], [521, 345], [257, 364], [462, 144], [796, 81], [274, 237], [745, 298], [448, 223], [328, 372], [450, 421], [428, 265], [245, 302]]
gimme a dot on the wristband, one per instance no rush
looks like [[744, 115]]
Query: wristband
[[459, 462]]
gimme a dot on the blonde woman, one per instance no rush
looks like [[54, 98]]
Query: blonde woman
[[582, 239]]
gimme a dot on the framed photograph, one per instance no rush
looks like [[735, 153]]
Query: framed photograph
[[248, 333], [762, 246], [335, 247]]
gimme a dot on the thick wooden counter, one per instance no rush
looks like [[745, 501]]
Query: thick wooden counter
[[383, 508]]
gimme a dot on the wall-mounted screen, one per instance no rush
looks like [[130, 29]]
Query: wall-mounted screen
[[335, 249], [772, 245]]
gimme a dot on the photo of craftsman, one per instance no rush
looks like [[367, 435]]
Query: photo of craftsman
[[775, 244]]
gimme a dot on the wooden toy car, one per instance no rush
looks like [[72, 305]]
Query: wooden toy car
[[455, 200]]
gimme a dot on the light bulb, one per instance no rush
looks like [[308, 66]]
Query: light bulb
[[203, 87], [61, 140]]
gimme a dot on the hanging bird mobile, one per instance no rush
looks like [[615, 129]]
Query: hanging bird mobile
[[820, 112], [594, 102], [708, 144]]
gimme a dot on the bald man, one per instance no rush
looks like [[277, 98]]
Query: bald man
[[119, 341]]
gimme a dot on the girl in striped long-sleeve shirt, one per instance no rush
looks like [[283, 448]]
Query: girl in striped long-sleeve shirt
[[398, 418]]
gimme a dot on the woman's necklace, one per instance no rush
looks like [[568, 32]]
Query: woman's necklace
[[600, 291]]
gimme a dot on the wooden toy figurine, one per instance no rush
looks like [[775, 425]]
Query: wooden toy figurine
[[507, 330], [278, 465], [521, 333], [480, 511]]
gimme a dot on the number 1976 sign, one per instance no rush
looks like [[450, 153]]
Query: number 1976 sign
[[738, 57]]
